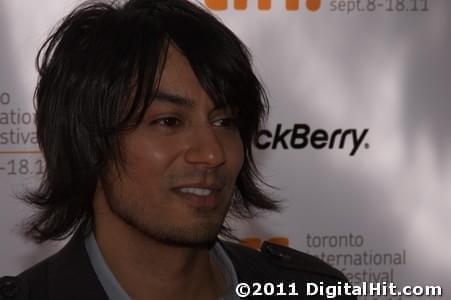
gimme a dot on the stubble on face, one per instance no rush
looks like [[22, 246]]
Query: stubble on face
[[131, 209]]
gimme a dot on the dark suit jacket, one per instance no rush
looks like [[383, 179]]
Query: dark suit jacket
[[68, 274]]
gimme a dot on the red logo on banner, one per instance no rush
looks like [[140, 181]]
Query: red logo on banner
[[312, 5], [255, 243]]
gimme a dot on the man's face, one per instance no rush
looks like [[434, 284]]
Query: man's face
[[180, 164]]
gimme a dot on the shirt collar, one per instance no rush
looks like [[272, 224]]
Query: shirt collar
[[115, 291], [109, 283]]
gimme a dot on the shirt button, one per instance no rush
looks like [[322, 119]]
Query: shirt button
[[8, 287]]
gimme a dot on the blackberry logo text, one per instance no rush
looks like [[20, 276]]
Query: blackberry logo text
[[301, 136]]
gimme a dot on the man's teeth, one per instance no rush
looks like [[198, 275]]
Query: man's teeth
[[196, 191]]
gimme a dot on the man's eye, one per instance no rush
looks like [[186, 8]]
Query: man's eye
[[167, 122], [229, 122]]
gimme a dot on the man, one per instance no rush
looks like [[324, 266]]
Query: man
[[146, 113]]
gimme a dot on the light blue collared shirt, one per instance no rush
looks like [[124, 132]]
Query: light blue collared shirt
[[115, 291]]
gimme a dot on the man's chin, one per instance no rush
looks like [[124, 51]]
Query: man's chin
[[185, 238], [198, 235], [188, 243]]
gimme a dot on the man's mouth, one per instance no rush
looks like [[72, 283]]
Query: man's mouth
[[207, 197], [196, 191]]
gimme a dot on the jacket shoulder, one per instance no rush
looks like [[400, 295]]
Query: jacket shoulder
[[287, 257], [67, 274], [284, 260]]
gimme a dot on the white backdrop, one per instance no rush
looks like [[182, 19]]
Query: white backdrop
[[379, 214]]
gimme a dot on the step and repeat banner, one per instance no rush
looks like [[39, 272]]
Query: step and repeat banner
[[358, 141]]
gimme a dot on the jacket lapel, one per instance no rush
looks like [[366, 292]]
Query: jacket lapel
[[70, 274]]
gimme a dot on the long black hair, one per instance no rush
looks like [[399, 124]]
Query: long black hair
[[104, 53]]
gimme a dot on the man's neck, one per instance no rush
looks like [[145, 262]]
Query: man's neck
[[149, 269]]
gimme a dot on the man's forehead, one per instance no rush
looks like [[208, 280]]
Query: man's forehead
[[164, 96], [184, 101], [179, 84]]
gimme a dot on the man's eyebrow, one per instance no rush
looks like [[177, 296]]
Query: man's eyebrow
[[173, 98]]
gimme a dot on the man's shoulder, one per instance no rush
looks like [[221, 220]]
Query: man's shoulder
[[67, 274], [277, 264], [282, 263]]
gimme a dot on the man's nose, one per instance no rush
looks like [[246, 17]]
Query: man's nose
[[205, 147]]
